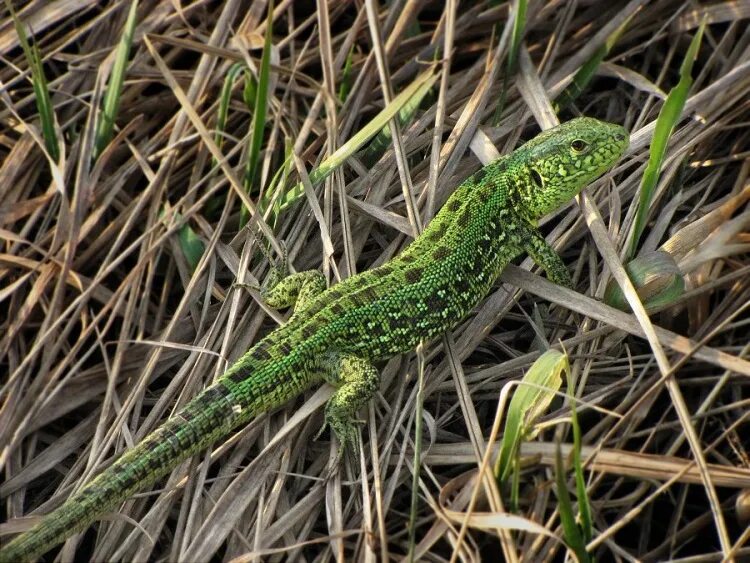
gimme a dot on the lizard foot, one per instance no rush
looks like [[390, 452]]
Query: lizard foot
[[346, 430], [248, 286]]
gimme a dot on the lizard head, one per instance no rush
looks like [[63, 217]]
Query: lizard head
[[557, 164]]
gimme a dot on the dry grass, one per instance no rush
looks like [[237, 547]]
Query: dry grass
[[108, 322]]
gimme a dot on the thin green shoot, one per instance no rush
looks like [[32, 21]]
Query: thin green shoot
[[519, 24], [584, 504], [106, 125], [571, 531], [669, 115], [258, 123], [383, 139], [41, 90], [357, 141], [277, 183], [224, 100], [417, 464], [586, 73], [346, 76], [250, 89]]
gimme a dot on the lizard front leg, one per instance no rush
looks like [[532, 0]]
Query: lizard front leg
[[533, 243], [295, 290], [281, 289], [356, 381]]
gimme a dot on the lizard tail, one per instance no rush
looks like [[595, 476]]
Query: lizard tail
[[207, 418]]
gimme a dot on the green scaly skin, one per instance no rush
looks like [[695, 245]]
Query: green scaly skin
[[334, 335]]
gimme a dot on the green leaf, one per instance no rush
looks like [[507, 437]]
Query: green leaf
[[530, 400], [111, 102], [192, 246], [656, 277], [669, 116], [222, 114], [277, 183], [250, 91]]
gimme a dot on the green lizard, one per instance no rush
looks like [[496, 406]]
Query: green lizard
[[335, 334]]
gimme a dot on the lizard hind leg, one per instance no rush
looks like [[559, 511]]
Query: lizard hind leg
[[356, 381]]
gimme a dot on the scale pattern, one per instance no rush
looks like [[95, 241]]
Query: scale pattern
[[334, 335]]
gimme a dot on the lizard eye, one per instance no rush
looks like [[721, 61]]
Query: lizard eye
[[578, 145], [536, 178]]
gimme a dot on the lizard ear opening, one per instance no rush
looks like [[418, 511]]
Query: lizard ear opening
[[536, 179]]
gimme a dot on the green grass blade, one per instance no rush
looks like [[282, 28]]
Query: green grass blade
[[669, 116], [278, 181], [346, 76], [222, 115], [111, 104], [519, 24], [588, 69], [584, 505], [259, 111], [383, 139], [226, 97], [41, 90], [358, 140], [419, 413], [516, 36], [529, 401], [44, 106], [571, 531], [250, 90]]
